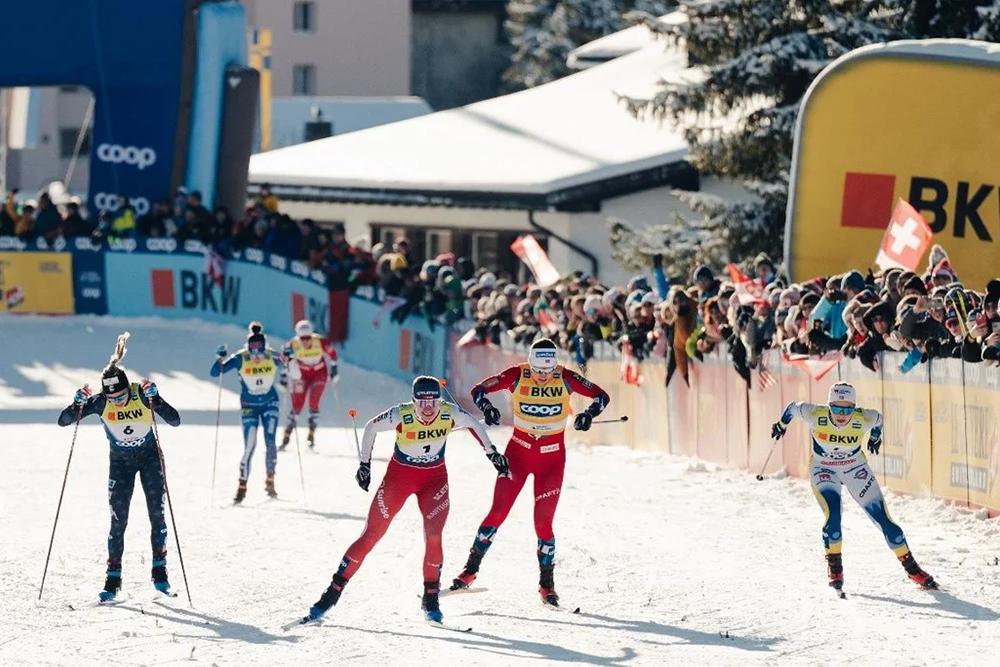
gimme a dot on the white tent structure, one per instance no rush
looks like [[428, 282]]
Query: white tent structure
[[565, 155]]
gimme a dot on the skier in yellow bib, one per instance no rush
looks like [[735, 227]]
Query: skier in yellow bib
[[838, 432]]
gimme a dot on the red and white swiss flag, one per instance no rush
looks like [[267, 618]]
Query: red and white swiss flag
[[748, 290], [906, 239]]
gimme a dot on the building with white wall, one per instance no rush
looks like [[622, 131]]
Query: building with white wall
[[557, 160]]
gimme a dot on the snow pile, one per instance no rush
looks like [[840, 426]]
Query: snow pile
[[668, 567]]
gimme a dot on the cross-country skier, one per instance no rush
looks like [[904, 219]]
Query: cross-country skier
[[126, 409], [258, 366], [417, 468], [540, 391], [306, 356], [837, 432]]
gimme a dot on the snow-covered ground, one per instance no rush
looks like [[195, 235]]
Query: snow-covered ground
[[670, 562]]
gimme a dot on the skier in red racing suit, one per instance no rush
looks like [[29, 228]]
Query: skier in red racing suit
[[540, 392]]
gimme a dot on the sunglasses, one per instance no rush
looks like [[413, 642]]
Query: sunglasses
[[118, 397], [842, 409]]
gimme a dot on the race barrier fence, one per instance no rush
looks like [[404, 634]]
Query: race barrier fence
[[942, 419]]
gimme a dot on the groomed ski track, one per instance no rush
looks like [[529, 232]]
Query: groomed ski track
[[670, 561]]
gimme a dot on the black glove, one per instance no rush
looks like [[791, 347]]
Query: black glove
[[490, 414], [364, 475], [778, 430], [582, 421], [221, 351], [333, 371], [874, 443], [501, 463], [283, 378]]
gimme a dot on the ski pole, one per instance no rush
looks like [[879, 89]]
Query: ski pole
[[760, 475], [170, 505], [616, 420], [357, 443], [72, 444], [215, 453], [298, 452]]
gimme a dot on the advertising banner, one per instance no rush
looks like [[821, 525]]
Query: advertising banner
[[982, 432], [400, 350], [797, 443], [181, 286], [867, 134], [89, 288], [765, 407], [712, 408], [950, 465], [906, 440], [36, 282]]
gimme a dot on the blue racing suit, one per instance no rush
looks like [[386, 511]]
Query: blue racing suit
[[259, 401]]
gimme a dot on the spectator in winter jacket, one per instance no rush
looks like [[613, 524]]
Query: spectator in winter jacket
[[24, 228], [48, 222], [74, 224]]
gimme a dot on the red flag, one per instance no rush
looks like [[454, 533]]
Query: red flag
[[748, 290], [549, 325], [815, 367], [468, 338], [906, 239], [215, 266], [630, 365], [532, 254]]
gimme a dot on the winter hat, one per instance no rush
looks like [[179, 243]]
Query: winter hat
[[763, 258], [488, 280], [650, 299], [992, 291], [842, 392], [916, 284], [113, 379], [854, 281], [809, 299], [542, 356], [637, 283], [702, 273], [255, 335]]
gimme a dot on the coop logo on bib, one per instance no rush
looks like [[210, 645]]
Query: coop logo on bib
[[541, 409]]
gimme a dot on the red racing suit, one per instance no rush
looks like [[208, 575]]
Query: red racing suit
[[537, 446], [308, 372], [417, 468]]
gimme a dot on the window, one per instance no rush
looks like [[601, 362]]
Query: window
[[304, 16], [485, 250], [304, 80], [438, 242], [67, 142]]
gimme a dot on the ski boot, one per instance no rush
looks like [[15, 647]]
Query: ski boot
[[311, 438], [329, 598], [468, 575], [269, 486], [112, 584], [547, 586], [917, 574], [241, 492], [429, 604], [835, 571], [285, 438], [159, 575]]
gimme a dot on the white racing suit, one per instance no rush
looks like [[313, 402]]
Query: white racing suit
[[838, 458]]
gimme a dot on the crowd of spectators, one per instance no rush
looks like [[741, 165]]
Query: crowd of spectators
[[926, 315]]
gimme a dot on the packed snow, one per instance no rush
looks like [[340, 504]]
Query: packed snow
[[671, 561]]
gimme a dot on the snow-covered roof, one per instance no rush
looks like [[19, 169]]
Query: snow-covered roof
[[564, 134], [618, 44]]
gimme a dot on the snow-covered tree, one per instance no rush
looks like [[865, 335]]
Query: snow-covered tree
[[543, 32], [758, 58]]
